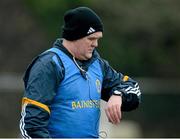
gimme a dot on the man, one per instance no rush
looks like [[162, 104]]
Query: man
[[64, 85]]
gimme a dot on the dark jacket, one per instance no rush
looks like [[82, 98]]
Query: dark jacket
[[42, 78]]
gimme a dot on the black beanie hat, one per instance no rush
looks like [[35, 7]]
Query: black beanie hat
[[80, 22]]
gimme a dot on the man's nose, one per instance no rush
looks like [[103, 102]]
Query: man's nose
[[95, 43]]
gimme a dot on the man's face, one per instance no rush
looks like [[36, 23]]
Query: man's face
[[86, 45]]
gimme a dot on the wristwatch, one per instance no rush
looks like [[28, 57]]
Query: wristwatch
[[117, 93]]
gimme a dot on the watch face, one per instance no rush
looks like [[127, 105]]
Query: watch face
[[117, 92]]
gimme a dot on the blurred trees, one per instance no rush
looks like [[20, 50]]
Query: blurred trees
[[144, 35]]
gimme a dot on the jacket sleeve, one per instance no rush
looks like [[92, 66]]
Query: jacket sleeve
[[116, 81], [41, 79]]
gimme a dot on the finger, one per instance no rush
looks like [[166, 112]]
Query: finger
[[108, 115], [111, 112], [118, 111], [116, 114]]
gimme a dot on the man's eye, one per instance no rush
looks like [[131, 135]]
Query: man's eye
[[91, 39]]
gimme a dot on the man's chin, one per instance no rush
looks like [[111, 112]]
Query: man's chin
[[88, 57]]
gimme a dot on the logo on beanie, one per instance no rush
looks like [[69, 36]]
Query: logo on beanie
[[91, 30]]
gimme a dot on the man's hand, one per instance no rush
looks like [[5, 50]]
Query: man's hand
[[113, 109]]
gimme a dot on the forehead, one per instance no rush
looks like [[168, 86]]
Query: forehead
[[96, 35]]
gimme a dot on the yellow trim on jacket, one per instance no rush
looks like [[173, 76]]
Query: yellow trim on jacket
[[26, 100], [125, 78]]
